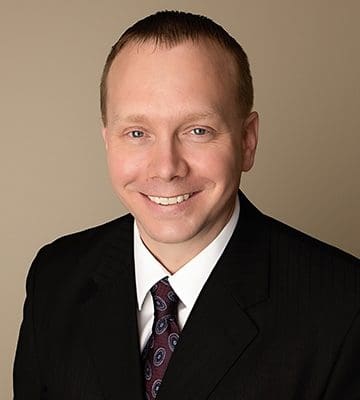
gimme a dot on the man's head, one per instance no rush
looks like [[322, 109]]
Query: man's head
[[170, 28], [178, 134]]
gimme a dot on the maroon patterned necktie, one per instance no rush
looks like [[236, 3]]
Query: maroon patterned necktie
[[164, 337]]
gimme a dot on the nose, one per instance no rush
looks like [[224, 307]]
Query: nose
[[167, 160]]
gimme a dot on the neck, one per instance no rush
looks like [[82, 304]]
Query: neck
[[174, 256]]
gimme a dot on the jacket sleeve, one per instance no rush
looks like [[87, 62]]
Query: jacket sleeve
[[344, 382], [26, 369]]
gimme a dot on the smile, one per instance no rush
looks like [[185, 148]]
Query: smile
[[167, 201]]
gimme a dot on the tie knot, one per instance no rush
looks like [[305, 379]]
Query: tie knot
[[165, 300]]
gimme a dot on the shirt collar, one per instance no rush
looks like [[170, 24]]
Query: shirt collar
[[188, 281]]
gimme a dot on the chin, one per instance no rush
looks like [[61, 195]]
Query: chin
[[166, 233]]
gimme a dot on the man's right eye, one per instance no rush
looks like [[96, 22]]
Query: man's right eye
[[136, 134]]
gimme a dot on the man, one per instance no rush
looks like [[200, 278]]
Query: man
[[200, 296]]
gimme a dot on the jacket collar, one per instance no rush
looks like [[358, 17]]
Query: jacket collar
[[239, 281], [219, 330], [108, 314]]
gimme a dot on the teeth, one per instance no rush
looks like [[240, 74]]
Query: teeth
[[173, 200], [165, 201]]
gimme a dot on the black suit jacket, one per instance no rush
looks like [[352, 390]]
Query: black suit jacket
[[278, 319]]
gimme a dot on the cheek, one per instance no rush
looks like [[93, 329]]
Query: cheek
[[221, 165], [123, 167]]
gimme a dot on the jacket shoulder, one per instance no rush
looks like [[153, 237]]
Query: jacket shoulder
[[62, 260], [82, 241], [293, 240], [316, 269]]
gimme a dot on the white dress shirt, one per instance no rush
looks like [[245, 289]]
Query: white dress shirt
[[187, 282]]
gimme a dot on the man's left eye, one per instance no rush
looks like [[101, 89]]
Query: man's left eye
[[199, 131], [135, 134]]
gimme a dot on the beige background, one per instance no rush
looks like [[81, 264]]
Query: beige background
[[305, 62]]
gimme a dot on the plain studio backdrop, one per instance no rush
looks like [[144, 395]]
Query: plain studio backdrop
[[305, 63]]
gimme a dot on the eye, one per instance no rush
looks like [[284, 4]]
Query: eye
[[199, 131], [135, 134]]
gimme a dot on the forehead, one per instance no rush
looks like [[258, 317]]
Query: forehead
[[192, 73], [196, 56]]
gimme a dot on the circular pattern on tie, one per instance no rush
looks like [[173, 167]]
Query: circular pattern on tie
[[164, 337], [159, 356], [160, 304], [173, 340], [147, 371], [155, 387], [172, 296], [161, 325]]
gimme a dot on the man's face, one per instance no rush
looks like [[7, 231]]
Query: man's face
[[176, 141]]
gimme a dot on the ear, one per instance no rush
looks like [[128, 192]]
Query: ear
[[249, 140], [104, 134]]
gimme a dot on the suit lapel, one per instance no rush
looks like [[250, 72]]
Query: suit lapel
[[216, 335], [219, 330], [109, 319]]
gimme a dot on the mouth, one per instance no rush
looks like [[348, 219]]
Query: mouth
[[168, 201]]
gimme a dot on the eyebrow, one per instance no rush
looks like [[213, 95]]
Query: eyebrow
[[141, 118]]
